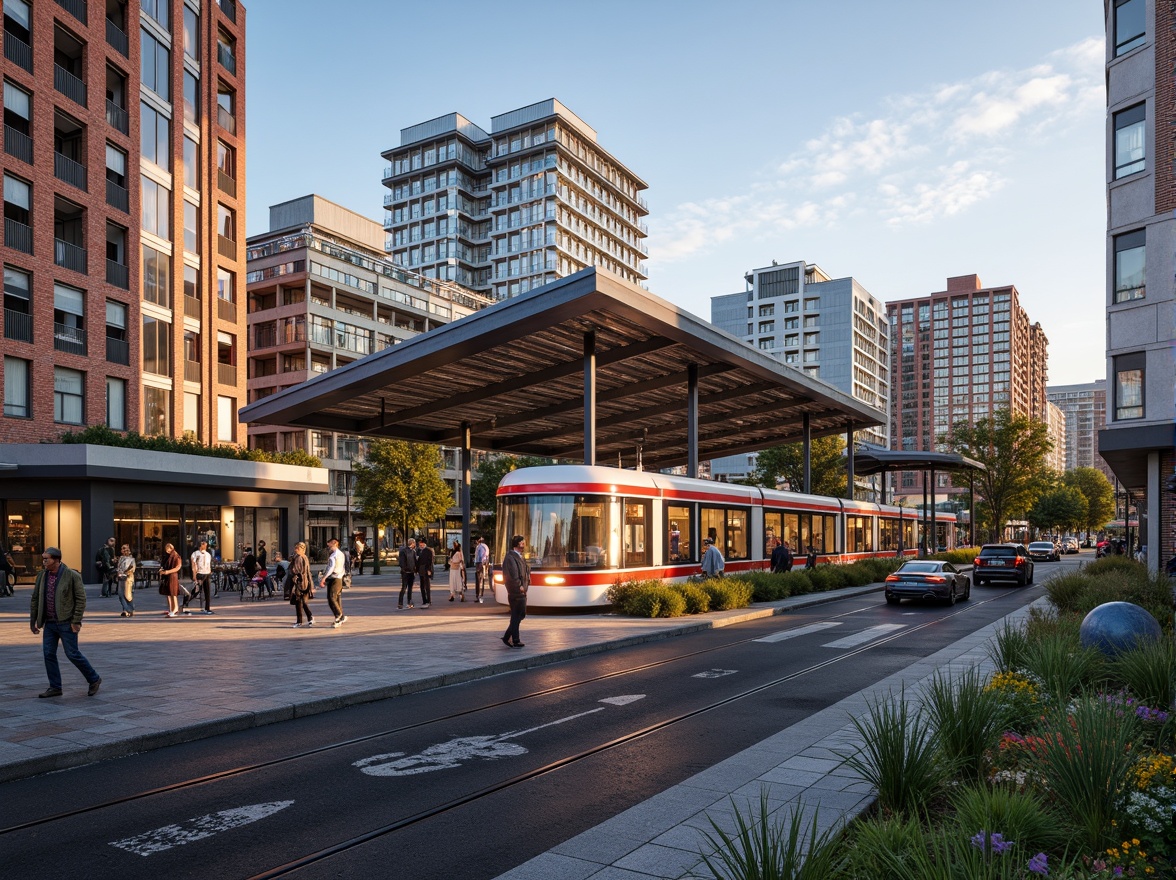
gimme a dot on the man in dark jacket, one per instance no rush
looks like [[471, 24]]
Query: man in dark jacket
[[58, 603], [781, 558], [424, 567], [107, 564], [407, 560], [516, 576]]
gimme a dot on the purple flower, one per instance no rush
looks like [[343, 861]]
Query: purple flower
[[1039, 864], [994, 842], [1118, 870]]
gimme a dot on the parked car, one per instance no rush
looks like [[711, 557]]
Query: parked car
[[1003, 562], [928, 579], [1069, 545], [1044, 551]]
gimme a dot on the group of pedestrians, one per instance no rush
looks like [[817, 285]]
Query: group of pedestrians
[[417, 560]]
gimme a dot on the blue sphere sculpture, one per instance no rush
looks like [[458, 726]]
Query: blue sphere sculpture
[[1117, 626]]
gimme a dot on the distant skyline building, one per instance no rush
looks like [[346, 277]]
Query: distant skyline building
[[1055, 420], [1085, 409], [960, 355], [503, 212], [1138, 441], [322, 293], [831, 328]]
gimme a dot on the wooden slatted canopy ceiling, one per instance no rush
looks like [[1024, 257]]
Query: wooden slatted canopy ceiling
[[514, 373]]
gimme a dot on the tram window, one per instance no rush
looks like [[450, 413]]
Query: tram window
[[820, 532], [714, 526], [680, 533], [773, 531], [728, 526], [908, 534], [888, 534], [562, 531], [637, 523], [792, 531], [859, 534]]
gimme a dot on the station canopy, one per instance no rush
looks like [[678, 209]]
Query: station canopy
[[589, 355]]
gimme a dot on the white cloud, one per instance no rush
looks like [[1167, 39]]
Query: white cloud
[[927, 155]]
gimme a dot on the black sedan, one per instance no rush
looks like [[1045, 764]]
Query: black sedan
[[928, 579]]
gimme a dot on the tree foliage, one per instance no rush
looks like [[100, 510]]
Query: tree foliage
[[1064, 507], [101, 435], [484, 485], [1013, 449], [1099, 495], [400, 484], [786, 463]]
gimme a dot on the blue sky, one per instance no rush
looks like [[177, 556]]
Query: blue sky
[[897, 141]]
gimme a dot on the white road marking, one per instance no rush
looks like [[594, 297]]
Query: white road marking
[[799, 631], [446, 755], [866, 635], [715, 673], [168, 836]]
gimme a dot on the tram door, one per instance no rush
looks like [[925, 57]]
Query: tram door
[[636, 537]]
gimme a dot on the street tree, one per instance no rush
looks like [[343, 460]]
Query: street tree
[[484, 484], [786, 463], [1012, 447], [400, 484], [1062, 508], [1099, 495]]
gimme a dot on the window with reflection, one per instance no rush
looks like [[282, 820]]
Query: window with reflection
[[635, 538], [1131, 265], [680, 545], [562, 531], [1130, 25], [729, 527], [1129, 385], [1130, 132]]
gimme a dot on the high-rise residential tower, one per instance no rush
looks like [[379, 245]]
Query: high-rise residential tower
[[124, 188], [1138, 439], [960, 355], [1085, 408], [502, 212], [832, 328]]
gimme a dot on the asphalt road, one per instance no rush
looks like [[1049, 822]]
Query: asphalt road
[[473, 779]]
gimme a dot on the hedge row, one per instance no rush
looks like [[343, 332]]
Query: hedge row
[[101, 435], [656, 598]]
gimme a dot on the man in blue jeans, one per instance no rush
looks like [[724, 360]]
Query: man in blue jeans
[[58, 603]]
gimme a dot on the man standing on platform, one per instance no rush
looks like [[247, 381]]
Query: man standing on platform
[[201, 577], [332, 579], [424, 567], [516, 575], [481, 569], [58, 603], [407, 559]]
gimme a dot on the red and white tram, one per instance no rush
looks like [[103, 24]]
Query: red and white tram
[[587, 527]]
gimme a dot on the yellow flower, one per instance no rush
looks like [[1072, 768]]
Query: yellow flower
[[1135, 841]]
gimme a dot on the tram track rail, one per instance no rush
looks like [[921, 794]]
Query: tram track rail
[[448, 806]]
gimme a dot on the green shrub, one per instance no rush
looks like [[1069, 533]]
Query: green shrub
[[727, 593], [1007, 648], [1062, 664], [697, 599], [1148, 670], [656, 599], [967, 717], [882, 848], [1023, 816], [1115, 563], [826, 577], [1065, 591], [960, 556], [765, 586], [797, 582], [101, 435]]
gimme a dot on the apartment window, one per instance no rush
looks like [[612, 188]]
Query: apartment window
[[156, 410], [1130, 265], [157, 9], [155, 60], [191, 228], [18, 202], [156, 204], [116, 403], [69, 319], [226, 159], [116, 166], [155, 136], [116, 332], [767, 326], [1129, 369], [767, 344], [192, 413], [191, 165], [17, 393], [224, 285], [191, 33], [225, 101], [192, 282], [156, 277], [226, 348], [226, 410], [68, 395], [18, 115], [18, 294], [191, 98], [156, 346], [226, 51], [1130, 25], [1130, 131], [226, 222]]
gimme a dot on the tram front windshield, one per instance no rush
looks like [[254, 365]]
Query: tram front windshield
[[562, 531]]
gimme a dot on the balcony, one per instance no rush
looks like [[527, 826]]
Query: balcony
[[69, 85], [117, 117], [69, 256], [226, 247], [118, 275], [192, 307], [66, 169], [226, 374], [117, 39], [117, 196], [118, 351], [69, 339], [18, 326], [18, 51], [226, 310], [192, 371], [226, 183], [225, 56], [18, 236], [225, 119], [18, 144], [265, 336], [76, 8], [229, 8]]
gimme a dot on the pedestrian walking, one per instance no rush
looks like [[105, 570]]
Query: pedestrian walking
[[810, 561], [424, 565], [516, 575], [357, 556], [126, 581], [7, 573], [301, 584], [712, 560], [407, 559], [169, 579], [201, 578], [267, 583], [58, 603], [481, 569], [105, 563], [332, 579], [781, 558], [457, 572]]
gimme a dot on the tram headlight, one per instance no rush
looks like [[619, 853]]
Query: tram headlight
[[498, 577], [553, 581]]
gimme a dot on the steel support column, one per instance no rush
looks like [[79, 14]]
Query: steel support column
[[466, 504], [923, 520], [692, 421], [849, 463], [590, 397], [972, 508], [808, 455], [934, 536]]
